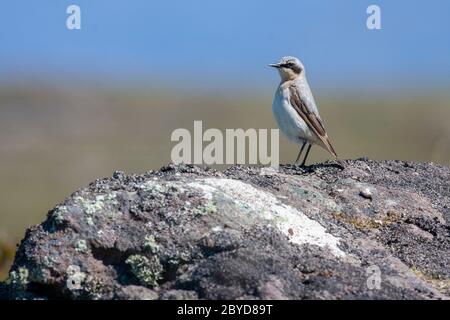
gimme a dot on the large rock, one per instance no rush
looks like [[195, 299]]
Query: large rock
[[363, 230]]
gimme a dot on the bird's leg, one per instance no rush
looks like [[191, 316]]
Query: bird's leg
[[300, 152], [306, 155]]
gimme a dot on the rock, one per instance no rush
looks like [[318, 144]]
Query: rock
[[366, 193], [186, 232], [3, 291], [136, 293]]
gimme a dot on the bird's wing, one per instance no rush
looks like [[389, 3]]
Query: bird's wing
[[312, 120]]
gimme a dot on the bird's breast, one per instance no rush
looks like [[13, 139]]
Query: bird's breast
[[288, 120]]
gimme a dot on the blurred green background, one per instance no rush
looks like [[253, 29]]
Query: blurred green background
[[77, 105], [54, 141]]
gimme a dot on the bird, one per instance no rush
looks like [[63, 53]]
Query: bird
[[295, 109]]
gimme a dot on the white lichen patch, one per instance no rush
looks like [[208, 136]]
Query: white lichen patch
[[217, 229], [293, 223], [75, 277]]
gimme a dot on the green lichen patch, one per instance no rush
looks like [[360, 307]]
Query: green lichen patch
[[157, 195], [95, 287], [206, 208], [150, 244], [48, 262], [59, 214], [81, 246], [100, 204], [180, 258], [18, 279], [147, 271]]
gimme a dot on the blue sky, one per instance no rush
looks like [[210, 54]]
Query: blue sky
[[204, 40]]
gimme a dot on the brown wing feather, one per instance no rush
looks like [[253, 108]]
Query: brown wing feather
[[313, 122]]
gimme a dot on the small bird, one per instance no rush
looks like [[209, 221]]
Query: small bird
[[295, 110]]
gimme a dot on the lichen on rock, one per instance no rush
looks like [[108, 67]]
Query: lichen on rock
[[147, 271], [189, 232], [18, 279]]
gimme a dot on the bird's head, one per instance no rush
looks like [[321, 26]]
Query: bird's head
[[289, 68]]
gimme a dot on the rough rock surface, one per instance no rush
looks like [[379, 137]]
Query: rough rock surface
[[356, 230]]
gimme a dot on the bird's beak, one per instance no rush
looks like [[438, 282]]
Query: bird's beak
[[275, 65]]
